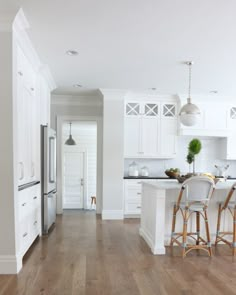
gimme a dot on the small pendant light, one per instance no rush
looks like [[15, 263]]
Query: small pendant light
[[70, 140], [189, 113]]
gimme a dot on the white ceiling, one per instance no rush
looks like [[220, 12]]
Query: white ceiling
[[135, 44]]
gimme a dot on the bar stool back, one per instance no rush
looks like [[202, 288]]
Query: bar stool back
[[194, 196], [229, 205]]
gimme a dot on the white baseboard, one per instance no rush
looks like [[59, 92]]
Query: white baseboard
[[10, 264], [155, 250], [112, 214]]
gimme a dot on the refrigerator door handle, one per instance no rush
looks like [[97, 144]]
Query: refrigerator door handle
[[52, 160]]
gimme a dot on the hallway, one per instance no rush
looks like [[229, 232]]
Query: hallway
[[85, 255]]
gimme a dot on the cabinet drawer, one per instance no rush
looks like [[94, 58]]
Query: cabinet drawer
[[129, 183], [24, 235], [132, 207]]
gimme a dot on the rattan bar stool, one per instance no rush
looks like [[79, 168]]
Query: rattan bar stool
[[194, 196], [227, 206]]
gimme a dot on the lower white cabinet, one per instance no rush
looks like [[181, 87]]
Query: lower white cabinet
[[132, 196], [29, 216]]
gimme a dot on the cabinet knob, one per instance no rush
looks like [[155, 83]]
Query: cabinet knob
[[138, 193], [20, 73], [32, 89], [25, 234], [35, 222], [35, 197], [24, 204]]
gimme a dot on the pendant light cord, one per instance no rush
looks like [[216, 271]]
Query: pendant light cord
[[70, 128], [189, 63]]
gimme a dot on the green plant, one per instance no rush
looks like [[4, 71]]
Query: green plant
[[194, 148]]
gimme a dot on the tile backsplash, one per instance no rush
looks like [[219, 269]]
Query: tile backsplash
[[205, 161]]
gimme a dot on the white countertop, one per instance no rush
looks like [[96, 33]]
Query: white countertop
[[174, 184]]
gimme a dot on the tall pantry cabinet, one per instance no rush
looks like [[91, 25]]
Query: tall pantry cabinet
[[29, 88]]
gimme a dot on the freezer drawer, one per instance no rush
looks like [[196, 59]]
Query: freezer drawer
[[49, 211]]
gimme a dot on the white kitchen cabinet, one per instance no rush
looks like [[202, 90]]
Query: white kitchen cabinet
[[150, 130], [132, 197], [27, 122], [213, 120], [29, 213], [132, 136]]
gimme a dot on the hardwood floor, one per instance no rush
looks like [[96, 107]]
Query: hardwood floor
[[85, 255]]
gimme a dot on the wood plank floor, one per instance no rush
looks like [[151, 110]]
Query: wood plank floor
[[85, 255]]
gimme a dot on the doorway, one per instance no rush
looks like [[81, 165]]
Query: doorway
[[79, 165]]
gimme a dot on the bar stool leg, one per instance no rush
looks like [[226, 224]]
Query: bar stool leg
[[198, 227], [207, 232], [185, 224], [218, 225], [234, 233], [173, 225]]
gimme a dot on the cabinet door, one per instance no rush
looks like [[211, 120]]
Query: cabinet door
[[168, 138], [149, 137], [132, 137]]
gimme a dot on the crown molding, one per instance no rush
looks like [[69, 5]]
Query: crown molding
[[46, 73], [113, 94], [6, 21], [71, 100]]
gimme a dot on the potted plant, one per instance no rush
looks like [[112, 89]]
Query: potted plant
[[194, 149]]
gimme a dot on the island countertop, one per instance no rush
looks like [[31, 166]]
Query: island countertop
[[174, 184]]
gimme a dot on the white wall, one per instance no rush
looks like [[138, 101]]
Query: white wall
[[205, 161], [113, 155], [7, 179], [85, 135]]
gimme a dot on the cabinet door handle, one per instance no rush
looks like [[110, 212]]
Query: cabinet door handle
[[138, 193], [35, 197], [25, 234], [21, 170], [20, 73], [138, 207], [139, 182], [24, 204]]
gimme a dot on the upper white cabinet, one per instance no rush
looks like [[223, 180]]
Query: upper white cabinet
[[213, 120], [150, 129], [27, 120]]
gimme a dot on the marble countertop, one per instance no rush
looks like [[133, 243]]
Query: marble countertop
[[174, 184]]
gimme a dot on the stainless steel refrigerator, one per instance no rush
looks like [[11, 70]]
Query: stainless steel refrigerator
[[48, 178]]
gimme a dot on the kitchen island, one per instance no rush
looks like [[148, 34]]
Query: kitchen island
[[156, 214]]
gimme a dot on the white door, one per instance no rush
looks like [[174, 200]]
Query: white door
[[73, 180]]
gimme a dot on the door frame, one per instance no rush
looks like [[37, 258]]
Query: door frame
[[60, 120], [85, 171]]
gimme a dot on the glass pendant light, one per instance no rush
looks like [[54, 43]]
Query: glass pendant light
[[189, 113], [70, 140]]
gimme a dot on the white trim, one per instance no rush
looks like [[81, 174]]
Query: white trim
[[10, 264], [60, 121], [78, 100], [149, 240], [112, 214]]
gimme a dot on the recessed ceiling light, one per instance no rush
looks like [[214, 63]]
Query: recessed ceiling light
[[214, 91], [77, 85], [72, 52]]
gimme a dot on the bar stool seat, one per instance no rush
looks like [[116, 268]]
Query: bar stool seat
[[193, 199], [230, 207]]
